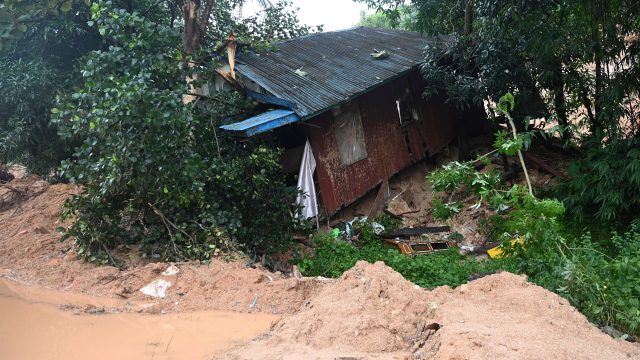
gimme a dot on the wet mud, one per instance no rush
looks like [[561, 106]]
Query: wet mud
[[40, 324]]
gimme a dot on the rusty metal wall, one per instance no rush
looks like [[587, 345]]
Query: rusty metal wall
[[387, 147]]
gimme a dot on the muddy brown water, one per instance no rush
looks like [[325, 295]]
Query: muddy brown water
[[35, 325]]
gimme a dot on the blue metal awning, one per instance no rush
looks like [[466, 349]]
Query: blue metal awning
[[262, 123]]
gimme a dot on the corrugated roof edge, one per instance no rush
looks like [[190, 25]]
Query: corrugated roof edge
[[367, 90], [344, 30], [246, 47], [262, 123]]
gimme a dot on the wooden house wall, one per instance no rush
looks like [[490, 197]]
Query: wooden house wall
[[386, 142]]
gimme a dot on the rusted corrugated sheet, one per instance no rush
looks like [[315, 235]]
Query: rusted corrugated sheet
[[337, 65], [387, 148]]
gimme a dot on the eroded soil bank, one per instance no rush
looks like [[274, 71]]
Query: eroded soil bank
[[40, 324]]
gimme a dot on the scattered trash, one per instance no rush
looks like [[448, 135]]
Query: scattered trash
[[378, 55], [497, 252], [299, 72], [420, 247], [416, 231], [171, 270], [467, 249], [347, 230], [378, 229], [157, 288], [253, 303]]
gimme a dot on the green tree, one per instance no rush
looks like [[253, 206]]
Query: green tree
[[570, 58], [405, 19], [155, 171], [34, 68]]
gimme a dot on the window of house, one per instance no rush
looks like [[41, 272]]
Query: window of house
[[407, 112], [350, 136]]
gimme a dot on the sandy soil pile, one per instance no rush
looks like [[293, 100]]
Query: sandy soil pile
[[372, 312], [31, 252], [369, 311]]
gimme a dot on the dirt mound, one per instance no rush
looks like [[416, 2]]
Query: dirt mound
[[505, 317], [375, 304], [369, 312], [372, 312], [31, 252]]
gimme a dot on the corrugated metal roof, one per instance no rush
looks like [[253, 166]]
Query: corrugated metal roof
[[338, 65], [262, 123]]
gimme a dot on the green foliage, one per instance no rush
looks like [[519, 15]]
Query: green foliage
[[27, 90], [333, 257], [18, 16], [605, 182], [601, 281], [435, 17], [155, 171], [402, 18], [566, 58], [276, 22], [35, 68], [594, 276]]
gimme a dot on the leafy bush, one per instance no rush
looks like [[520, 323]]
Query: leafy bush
[[154, 171], [605, 182], [455, 178], [601, 282], [333, 257]]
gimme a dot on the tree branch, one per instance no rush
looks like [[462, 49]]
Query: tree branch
[[206, 13]]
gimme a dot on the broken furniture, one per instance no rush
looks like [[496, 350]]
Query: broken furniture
[[416, 241]]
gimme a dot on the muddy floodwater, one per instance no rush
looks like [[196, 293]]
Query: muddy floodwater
[[41, 324]]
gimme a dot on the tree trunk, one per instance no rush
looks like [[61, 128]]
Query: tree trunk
[[559, 100], [597, 51], [196, 18], [192, 34], [468, 22]]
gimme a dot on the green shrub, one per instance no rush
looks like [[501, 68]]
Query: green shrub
[[333, 257], [606, 182], [602, 282]]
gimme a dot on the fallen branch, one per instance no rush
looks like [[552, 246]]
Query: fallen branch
[[167, 221], [544, 166]]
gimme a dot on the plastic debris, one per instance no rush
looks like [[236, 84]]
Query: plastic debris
[[253, 303], [382, 54], [157, 288], [498, 252], [171, 270], [377, 228]]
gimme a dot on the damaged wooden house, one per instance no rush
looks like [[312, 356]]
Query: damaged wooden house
[[346, 106]]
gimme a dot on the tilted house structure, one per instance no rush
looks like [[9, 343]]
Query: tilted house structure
[[355, 96]]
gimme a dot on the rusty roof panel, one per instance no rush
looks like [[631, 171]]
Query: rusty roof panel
[[338, 65]]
